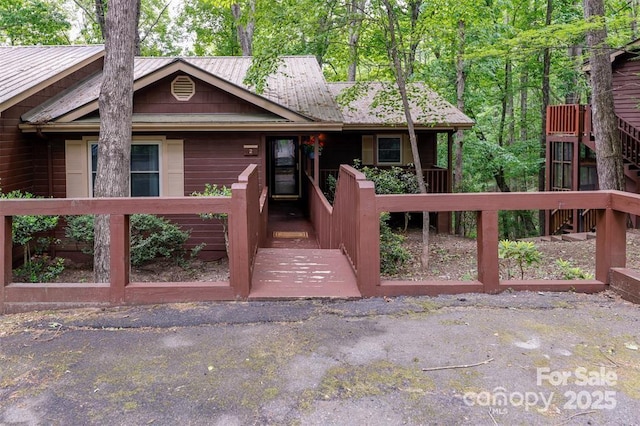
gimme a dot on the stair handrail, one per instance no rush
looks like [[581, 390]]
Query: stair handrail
[[630, 140]]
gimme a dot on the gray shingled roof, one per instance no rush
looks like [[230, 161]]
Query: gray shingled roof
[[379, 103], [23, 69], [298, 85]]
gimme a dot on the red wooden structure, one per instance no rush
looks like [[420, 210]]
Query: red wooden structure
[[347, 232]]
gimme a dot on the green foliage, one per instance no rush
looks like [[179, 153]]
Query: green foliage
[[27, 231], [569, 272], [24, 22], [40, 268], [151, 236], [393, 255], [518, 253]]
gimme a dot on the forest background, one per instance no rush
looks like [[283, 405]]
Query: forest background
[[501, 62]]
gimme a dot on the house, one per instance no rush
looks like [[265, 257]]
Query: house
[[195, 121], [571, 161]]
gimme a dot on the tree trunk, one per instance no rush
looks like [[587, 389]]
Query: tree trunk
[[355, 14], [605, 129], [115, 105], [461, 79], [402, 88], [100, 18], [546, 90], [244, 31]]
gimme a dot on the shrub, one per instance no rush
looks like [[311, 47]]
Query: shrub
[[520, 253], [151, 236], [26, 231], [569, 272], [392, 253]]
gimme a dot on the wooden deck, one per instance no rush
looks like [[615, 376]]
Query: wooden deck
[[302, 273], [289, 227]]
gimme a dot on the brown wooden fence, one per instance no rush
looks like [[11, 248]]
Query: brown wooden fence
[[246, 226], [354, 227]]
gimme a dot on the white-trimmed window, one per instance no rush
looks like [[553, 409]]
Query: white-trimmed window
[[145, 169], [386, 150], [157, 167]]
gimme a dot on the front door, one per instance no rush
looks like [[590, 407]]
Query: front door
[[284, 173]]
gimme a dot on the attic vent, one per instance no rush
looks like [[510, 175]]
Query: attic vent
[[183, 88]]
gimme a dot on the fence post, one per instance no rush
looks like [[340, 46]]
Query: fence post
[[119, 256], [239, 267], [611, 242], [488, 272], [368, 239], [6, 253]]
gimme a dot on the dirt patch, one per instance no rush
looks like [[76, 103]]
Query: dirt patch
[[454, 258], [451, 258], [160, 270]]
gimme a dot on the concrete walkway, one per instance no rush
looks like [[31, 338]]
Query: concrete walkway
[[514, 358]]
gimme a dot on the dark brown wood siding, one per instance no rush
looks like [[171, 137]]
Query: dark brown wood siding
[[215, 158], [158, 99], [626, 90], [23, 156]]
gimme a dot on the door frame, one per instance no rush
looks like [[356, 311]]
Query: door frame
[[271, 167]]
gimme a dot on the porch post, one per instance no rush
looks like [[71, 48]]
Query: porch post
[[316, 161], [239, 258], [488, 273], [368, 239], [6, 253], [119, 259], [611, 242]]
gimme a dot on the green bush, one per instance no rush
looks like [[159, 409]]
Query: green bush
[[151, 236], [26, 231], [393, 255], [569, 272], [520, 253]]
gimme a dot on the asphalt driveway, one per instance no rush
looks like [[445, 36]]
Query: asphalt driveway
[[514, 358]]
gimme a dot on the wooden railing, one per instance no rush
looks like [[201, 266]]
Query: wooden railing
[[436, 178], [571, 120], [243, 208], [320, 213], [610, 208], [355, 225], [630, 138]]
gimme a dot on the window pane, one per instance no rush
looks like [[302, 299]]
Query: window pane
[[144, 158], [568, 151], [145, 184], [389, 150]]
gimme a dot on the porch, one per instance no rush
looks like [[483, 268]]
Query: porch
[[347, 234]]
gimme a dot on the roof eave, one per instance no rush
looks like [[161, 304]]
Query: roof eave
[[185, 127], [46, 83]]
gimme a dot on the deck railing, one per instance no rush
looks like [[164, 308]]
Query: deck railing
[[630, 138], [570, 120], [436, 178]]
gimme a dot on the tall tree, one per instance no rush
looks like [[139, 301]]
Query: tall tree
[[394, 49], [245, 24], [607, 138], [116, 109], [461, 80]]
